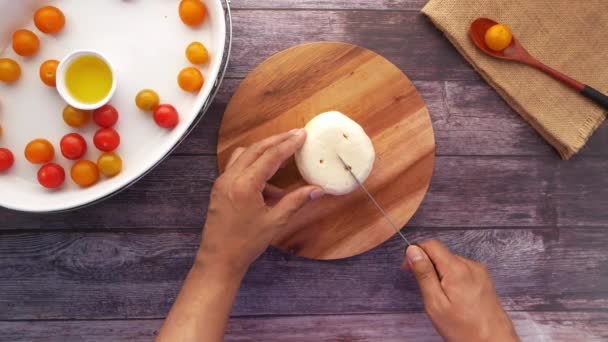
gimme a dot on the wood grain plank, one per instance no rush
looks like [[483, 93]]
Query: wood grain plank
[[407, 39], [392, 5], [123, 275], [531, 326], [464, 192], [469, 119]]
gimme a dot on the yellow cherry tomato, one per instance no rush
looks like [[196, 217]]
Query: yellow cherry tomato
[[109, 164], [84, 173], [39, 151], [10, 71], [48, 72], [147, 100], [197, 53], [76, 117], [498, 37], [190, 79], [25, 42], [192, 12]]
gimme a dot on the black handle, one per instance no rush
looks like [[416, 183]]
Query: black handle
[[596, 96]]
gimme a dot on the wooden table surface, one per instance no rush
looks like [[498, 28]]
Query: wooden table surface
[[499, 195]]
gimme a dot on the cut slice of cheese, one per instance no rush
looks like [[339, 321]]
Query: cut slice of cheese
[[328, 135]]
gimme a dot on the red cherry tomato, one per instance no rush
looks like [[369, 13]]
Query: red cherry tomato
[[166, 116], [6, 159], [73, 146], [105, 116], [51, 176], [106, 139]]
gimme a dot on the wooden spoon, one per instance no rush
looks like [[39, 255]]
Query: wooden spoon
[[516, 52]]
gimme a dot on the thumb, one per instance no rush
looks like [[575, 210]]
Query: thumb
[[295, 200], [424, 271]]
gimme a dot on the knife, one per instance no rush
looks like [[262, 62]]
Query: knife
[[386, 217]]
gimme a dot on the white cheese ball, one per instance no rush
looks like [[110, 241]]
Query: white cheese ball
[[328, 135]]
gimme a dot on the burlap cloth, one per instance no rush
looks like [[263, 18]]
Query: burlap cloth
[[568, 35]]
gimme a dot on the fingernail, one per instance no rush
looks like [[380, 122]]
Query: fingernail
[[414, 254], [297, 132], [316, 194]]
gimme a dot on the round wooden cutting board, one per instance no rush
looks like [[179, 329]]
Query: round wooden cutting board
[[293, 86]]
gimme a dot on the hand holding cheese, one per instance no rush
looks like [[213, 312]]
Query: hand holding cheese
[[331, 134]]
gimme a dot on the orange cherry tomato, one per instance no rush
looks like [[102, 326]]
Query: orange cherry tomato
[[39, 151], [84, 173], [49, 19], [25, 42], [498, 37], [197, 53], [76, 117], [109, 164], [147, 100], [10, 71], [192, 12], [190, 79], [48, 71]]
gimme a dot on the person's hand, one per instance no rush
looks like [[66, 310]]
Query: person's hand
[[245, 212], [458, 294]]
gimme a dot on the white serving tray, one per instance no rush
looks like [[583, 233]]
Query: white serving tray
[[145, 41]]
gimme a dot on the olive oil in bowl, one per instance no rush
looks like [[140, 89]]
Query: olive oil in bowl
[[86, 80]]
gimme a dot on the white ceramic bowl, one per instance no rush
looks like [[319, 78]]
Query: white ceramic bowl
[[145, 41], [65, 93]]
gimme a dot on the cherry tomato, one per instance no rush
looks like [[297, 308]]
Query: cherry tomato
[[49, 19], [190, 79], [106, 139], [192, 12], [105, 116], [73, 146], [51, 176], [39, 151], [10, 71], [84, 173], [75, 117], [166, 116], [48, 71], [25, 42], [498, 37], [197, 53], [6, 159], [147, 100], [109, 164]]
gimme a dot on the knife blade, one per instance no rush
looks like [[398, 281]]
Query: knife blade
[[386, 217]]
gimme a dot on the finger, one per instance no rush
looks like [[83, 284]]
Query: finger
[[235, 155], [405, 265], [441, 256], [255, 151], [273, 192], [268, 164], [295, 200], [426, 275]]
